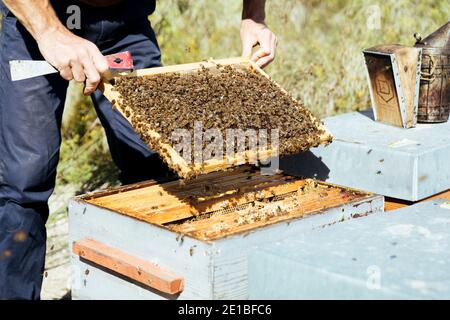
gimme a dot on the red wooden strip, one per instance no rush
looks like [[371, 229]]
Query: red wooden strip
[[130, 266]]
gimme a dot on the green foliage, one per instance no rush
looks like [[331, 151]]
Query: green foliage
[[85, 162]]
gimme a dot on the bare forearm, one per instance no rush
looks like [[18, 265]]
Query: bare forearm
[[74, 57], [37, 16], [254, 10], [254, 31]]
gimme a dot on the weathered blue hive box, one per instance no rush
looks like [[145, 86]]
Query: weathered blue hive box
[[409, 164], [404, 254], [175, 241]]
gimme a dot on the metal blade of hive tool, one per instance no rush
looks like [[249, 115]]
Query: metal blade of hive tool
[[26, 69]]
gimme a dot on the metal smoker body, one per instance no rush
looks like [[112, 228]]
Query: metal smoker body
[[434, 92]]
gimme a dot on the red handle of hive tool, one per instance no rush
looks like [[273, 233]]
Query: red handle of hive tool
[[121, 60]]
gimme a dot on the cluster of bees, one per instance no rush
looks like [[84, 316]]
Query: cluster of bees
[[224, 98]]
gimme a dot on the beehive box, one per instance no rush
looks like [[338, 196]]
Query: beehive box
[[175, 241], [400, 255]]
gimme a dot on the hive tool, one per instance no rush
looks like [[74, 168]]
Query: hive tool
[[27, 69]]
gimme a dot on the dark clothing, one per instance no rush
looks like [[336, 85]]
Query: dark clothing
[[101, 3], [129, 9], [124, 8], [30, 123]]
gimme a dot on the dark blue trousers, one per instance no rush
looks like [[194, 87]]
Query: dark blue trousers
[[30, 123]]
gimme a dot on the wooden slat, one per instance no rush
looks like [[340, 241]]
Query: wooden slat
[[158, 193], [129, 266], [188, 209], [184, 212], [394, 204], [161, 204], [189, 67], [309, 203]]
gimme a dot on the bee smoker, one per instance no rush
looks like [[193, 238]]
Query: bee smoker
[[434, 92]]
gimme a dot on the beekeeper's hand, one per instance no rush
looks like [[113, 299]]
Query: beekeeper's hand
[[254, 31], [74, 57]]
